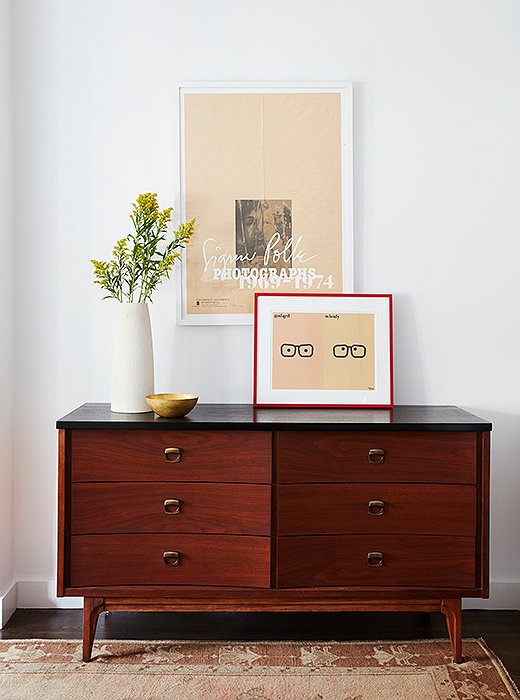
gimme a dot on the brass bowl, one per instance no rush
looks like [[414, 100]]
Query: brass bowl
[[172, 405]]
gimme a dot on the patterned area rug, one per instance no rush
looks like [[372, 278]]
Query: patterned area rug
[[129, 670]]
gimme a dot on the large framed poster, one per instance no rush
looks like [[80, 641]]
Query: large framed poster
[[267, 172]]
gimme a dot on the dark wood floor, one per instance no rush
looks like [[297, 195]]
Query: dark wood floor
[[499, 628]]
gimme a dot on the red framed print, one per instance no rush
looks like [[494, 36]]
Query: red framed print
[[323, 350]]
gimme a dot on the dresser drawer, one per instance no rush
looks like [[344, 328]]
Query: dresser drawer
[[343, 560], [171, 455], [373, 456], [234, 509], [421, 509], [203, 560]]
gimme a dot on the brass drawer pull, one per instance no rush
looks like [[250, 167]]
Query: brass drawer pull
[[171, 558], [375, 559], [172, 506], [172, 454], [376, 507], [376, 456]]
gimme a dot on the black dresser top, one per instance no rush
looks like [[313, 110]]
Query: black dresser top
[[244, 416]]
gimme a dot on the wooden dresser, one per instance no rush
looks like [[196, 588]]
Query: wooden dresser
[[243, 509]]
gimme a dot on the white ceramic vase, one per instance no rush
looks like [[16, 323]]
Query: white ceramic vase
[[132, 368]]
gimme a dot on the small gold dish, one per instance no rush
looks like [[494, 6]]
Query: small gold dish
[[172, 405]]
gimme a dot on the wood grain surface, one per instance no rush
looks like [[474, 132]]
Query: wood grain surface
[[138, 455], [421, 509], [204, 560], [409, 457], [408, 561], [235, 509]]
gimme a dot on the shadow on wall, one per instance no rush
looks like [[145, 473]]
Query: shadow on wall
[[363, 140], [215, 362], [505, 487], [409, 366]]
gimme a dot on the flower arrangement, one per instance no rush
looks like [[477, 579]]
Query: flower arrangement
[[142, 260]]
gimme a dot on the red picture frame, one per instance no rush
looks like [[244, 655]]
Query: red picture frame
[[384, 354]]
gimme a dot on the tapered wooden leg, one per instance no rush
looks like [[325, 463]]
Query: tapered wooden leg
[[452, 609], [91, 609]]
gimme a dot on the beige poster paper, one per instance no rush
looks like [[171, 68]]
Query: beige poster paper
[[263, 177], [323, 351]]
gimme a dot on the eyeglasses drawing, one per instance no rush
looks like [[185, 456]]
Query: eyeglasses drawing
[[289, 350], [356, 351]]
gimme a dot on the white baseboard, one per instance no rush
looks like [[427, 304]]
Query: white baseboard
[[33, 594], [42, 594], [502, 596], [8, 604]]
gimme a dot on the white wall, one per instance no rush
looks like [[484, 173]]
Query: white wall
[[6, 306], [437, 170]]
